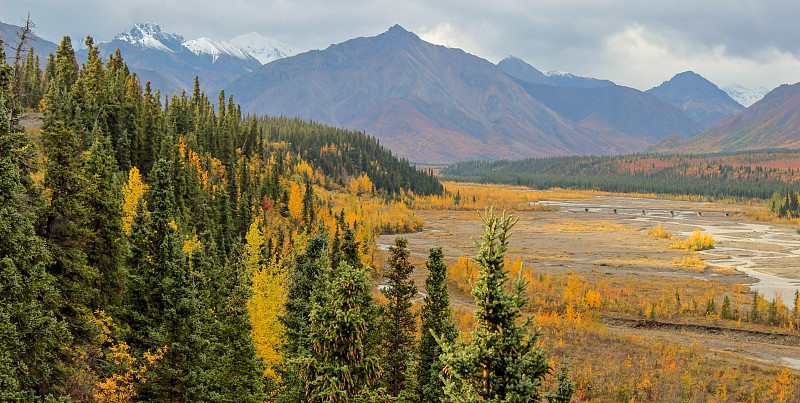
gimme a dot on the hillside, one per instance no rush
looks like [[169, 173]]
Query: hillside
[[699, 98], [772, 122], [428, 103]]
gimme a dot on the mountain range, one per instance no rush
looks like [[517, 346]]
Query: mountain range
[[435, 104], [772, 122]]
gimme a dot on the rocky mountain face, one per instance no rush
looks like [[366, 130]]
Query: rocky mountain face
[[430, 103], [772, 122], [699, 98]]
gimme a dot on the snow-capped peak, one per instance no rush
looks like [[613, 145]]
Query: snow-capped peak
[[205, 46], [261, 47], [557, 74], [149, 35], [745, 94]]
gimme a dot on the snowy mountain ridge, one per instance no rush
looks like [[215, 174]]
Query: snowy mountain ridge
[[262, 48], [246, 47], [206, 46], [149, 35]]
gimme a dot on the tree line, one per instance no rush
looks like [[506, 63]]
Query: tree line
[[707, 176]]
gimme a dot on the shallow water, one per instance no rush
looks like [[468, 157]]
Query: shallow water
[[755, 249]]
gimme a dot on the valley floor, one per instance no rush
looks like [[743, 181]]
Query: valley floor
[[617, 304]]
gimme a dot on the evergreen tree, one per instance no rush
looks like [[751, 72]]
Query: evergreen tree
[[309, 215], [105, 248], [65, 226], [238, 372], [59, 86], [436, 323], [171, 313], [31, 335], [304, 277], [400, 320], [343, 361], [502, 362]]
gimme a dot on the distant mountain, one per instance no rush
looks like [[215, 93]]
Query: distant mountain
[[41, 47], [616, 109], [170, 63], [745, 94], [611, 109], [523, 71], [565, 79], [262, 48], [426, 102], [772, 122], [699, 98]]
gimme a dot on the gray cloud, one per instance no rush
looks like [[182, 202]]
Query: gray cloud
[[635, 43]]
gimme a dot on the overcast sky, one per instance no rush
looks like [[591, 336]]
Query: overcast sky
[[637, 43]]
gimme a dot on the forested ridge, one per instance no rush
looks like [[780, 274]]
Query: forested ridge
[[180, 251], [742, 176]]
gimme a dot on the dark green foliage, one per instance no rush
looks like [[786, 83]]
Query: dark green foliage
[[565, 387], [784, 203], [436, 323], [398, 340], [344, 154], [725, 312], [31, 335], [342, 363], [165, 308], [304, 276], [237, 371], [65, 226], [105, 248], [309, 213], [614, 174], [502, 363]]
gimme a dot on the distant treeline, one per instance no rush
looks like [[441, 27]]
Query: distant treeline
[[739, 176]]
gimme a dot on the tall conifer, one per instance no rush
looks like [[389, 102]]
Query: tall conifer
[[400, 321], [436, 323], [502, 362]]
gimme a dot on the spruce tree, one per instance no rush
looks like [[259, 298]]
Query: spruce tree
[[436, 323], [105, 248], [166, 307], [307, 269], [238, 373], [502, 362], [400, 324], [32, 336], [343, 361], [66, 228]]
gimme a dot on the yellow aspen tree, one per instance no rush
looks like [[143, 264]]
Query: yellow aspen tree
[[267, 301], [296, 203], [132, 192]]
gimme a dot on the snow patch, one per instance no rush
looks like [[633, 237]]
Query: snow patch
[[745, 94], [262, 48], [206, 46]]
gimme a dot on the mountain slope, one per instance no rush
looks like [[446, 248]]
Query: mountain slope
[[171, 63], [426, 102], [41, 47], [523, 71], [262, 48], [772, 122], [617, 109], [611, 109], [699, 98]]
